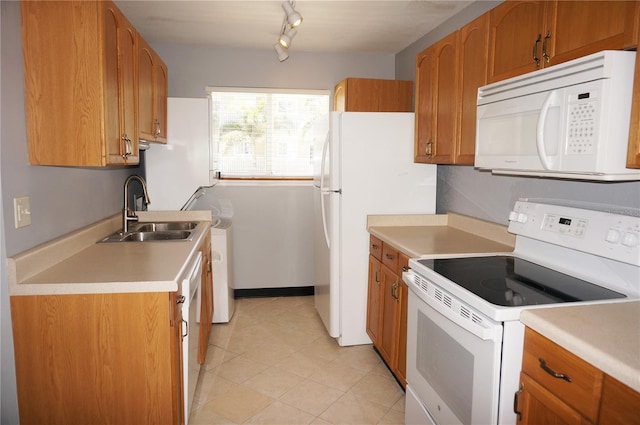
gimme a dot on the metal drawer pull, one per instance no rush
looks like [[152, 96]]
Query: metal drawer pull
[[535, 50], [374, 246], [181, 299], [516, 396], [389, 256], [552, 372], [405, 268], [544, 47]]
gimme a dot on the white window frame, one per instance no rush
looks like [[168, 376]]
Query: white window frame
[[215, 159]]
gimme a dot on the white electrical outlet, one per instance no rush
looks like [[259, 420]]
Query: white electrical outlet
[[21, 212]]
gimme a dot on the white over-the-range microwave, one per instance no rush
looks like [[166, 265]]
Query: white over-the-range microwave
[[570, 120]]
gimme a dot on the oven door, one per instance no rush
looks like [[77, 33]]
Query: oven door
[[453, 362]]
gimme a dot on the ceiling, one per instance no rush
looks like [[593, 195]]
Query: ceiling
[[355, 26]]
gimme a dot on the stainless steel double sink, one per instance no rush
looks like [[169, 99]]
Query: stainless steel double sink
[[152, 231]]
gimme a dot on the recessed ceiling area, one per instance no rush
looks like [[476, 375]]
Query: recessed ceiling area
[[378, 27]]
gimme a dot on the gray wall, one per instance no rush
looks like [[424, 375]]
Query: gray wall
[[465, 190], [272, 232], [192, 69]]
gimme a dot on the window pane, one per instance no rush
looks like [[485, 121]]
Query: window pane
[[264, 133]]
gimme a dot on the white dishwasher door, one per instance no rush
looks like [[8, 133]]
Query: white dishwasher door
[[191, 332]]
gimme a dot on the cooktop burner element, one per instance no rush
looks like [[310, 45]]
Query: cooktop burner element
[[510, 281]]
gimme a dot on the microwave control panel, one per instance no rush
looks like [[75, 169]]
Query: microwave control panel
[[582, 118]]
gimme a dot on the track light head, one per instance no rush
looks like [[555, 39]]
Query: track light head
[[281, 51], [286, 37], [293, 18]]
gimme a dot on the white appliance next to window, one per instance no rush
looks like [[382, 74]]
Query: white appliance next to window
[[363, 164]]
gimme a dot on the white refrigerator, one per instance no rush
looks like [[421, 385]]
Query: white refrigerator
[[363, 165]]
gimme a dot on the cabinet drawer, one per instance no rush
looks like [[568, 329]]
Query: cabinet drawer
[[375, 247], [403, 263], [620, 403], [576, 383], [390, 257]]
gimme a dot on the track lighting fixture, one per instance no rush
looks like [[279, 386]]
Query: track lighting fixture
[[291, 20], [293, 17]]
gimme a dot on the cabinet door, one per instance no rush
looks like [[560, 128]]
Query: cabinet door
[[633, 154], [373, 299], [121, 106], [445, 91], [424, 107], [387, 345], [161, 92], [340, 96], [473, 56], [206, 310], [177, 386], [436, 103], [514, 27], [129, 112], [109, 358], [373, 95], [145, 91], [539, 406], [579, 28]]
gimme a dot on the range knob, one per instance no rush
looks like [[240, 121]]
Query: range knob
[[613, 236], [513, 216], [522, 218], [630, 240]]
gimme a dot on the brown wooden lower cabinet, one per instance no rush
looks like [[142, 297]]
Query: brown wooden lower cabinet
[[206, 311], [98, 358], [586, 396], [387, 306]]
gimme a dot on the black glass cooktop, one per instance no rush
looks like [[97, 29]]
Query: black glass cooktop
[[509, 281]]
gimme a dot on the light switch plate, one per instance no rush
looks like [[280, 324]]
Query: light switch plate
[[21, 211]]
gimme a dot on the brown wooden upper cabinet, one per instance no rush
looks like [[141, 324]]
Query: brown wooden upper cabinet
[[80, 86], [448, 75], [152, 94], [529, 35], [373, 95]]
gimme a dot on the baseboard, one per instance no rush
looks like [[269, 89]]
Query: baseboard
[[294, 291]]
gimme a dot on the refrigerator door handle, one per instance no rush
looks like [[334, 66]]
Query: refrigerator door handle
[[323, 191], [324, 218], [324, 157]]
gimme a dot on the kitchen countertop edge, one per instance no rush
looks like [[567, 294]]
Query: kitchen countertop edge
[[32, 265]]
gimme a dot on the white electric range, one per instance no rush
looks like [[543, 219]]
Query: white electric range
[[464, 337]]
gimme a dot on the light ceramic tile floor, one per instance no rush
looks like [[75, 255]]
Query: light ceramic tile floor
[[274, 363]]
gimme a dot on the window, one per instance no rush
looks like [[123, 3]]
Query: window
[[264, 133]]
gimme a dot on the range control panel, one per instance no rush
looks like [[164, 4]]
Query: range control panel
[[602, 233]]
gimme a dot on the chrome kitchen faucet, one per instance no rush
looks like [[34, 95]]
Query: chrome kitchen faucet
[[128, 214]]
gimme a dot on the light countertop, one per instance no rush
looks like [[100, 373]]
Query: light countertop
[[441, 234], [76, 264], [604, 335]]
